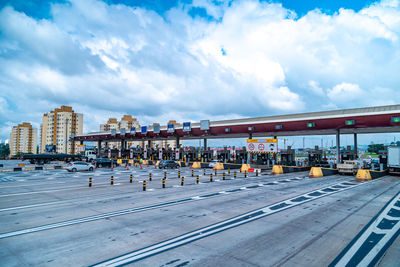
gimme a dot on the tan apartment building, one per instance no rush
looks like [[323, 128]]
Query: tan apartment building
[[57, 127], [23, 139]]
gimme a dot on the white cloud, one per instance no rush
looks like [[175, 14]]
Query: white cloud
[[107, 60]]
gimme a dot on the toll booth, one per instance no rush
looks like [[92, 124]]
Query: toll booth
[[223, 155], [288, 157], [168, 153], [241, 156], [316, 158], [206, 155], [262, 158], [347, 154], [190, 153]]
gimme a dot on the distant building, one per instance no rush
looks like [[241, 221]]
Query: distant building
[[23, 139], [126, 122], [57, 127]]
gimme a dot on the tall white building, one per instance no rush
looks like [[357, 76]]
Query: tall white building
[[23, 139], [57, 127]]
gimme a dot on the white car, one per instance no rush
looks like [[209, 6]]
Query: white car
[[79, 166], [213, 162]]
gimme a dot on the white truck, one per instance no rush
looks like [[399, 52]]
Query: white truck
[[90, 155], [393, 161], [348, 167]]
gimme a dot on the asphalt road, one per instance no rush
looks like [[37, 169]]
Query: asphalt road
[[53, 218]]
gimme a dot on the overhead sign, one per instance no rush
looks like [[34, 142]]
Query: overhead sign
[[144, 129], [205, 125], [133, 131], [187, 127], [122, 132], [170, 128], [156, 129], [262, 145]]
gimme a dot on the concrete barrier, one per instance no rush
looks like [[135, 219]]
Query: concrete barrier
[[196, 165], [18, 169], [38, 168], [245, 167], [367, 175], [317, 172], [280, 169], [218, 166], [232, 166]]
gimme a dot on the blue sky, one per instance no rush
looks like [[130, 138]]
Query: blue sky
[[193, 60], [41, 9]]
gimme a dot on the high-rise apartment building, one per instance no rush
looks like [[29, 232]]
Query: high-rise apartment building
[[23, 139], [58, 126]]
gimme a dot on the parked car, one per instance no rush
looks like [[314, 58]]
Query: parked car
[[168, 164], [79, 166], [213, 162], [104, 162]]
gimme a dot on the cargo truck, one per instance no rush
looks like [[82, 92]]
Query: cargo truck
[[393, 160], [348, 167]]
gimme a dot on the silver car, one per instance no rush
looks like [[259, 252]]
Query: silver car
[[79, 166]]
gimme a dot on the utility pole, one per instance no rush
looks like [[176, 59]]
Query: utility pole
[[66, 136]]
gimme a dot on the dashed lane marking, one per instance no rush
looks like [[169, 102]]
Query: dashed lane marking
[[223, 225]]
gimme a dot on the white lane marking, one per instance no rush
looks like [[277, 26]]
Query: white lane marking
[[373, 228], [212, 229]]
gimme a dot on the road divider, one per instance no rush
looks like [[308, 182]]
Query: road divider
[[317, 172], [281, 169], [366, 175]]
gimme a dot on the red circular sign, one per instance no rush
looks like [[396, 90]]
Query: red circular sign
[[261, 147], [251, 146]]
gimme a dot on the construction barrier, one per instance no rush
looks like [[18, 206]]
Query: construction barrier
[[277, 169], [367, 175], [245, 167], [218, 166], [317, 172], [196, 165], [255, 170]]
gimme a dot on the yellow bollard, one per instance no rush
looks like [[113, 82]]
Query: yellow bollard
[[130, 178], [90, 182], [163, 183], [144, 185], [234, 174], [256, 172], [229, 171], [179, 174], [245, 174], [192, 173], [112, 180], [223, 176], [211, 178], [165, 175], [197, 179], [182, 180], [215, 172], [149, 176]]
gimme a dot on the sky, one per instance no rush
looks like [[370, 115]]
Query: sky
[[193, 60]]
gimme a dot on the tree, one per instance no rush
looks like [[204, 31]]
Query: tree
[[4, 150], [374, 148]]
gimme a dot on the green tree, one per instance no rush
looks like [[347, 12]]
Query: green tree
[[4, 150], [374, 148]]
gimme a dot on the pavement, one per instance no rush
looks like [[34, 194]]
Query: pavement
[[53, 218]]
